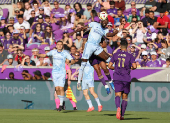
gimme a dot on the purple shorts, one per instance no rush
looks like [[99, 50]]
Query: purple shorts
[[121, 86], [95, 60]]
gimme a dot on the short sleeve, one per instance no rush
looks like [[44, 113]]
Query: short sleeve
[[113, 59], [147, 64], [68, 56], [132, 60], [50, 53], [6, 63]]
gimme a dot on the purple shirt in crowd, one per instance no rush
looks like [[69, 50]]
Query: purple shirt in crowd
[[137, 13], [109, 49], [2, 38], [111, 31], [43, 26], [155, 63], [143, 63], [15, 41], [112, 11], [123, 62], [6, 43], [149, 36], [57, 11], [35, 40], [36, 18], [97, 7], [135, 54], [158, 44]]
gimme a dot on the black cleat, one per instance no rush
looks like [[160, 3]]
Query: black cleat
[[60, 108], [75, 108], [63, 107]]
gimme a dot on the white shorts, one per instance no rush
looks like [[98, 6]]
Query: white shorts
[[91, 48], [58, 79], [87, 84]]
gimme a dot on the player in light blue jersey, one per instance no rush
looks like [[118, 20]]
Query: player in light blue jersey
[[88, 83], [59, 73]]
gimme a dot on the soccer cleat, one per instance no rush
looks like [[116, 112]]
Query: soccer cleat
[[118, 113], [60, 108], [75, 108], [112, 85], [121, 118], [108, 90], [63, 107], [90, 109], [100, 108]]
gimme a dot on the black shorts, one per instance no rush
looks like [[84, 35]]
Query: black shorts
[[95, 60], [66, 85]]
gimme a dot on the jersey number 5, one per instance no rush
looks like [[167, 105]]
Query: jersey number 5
[[121, 61]]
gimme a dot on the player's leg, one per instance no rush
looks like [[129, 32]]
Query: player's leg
[[107, 73], [104, 56], [57, 100], [91, 89], [101, 77]]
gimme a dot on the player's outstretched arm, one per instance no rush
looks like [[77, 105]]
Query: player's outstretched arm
[[134, 66], [112, 34], [110, 66], [78, 30]]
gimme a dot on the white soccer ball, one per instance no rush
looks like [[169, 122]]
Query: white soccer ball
[[103, 15]]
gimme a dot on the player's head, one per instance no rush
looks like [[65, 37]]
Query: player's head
[[59, 45], [104, 19], [168, 61], [123, 44], [103, 42]]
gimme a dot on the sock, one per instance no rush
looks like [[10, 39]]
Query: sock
[[89, 103], [108, 76], [98, 101], [57, 102], [61, 100], [123, 107], [117, 101], [73, 103], [108, 60], [83, 64], [101, 78]]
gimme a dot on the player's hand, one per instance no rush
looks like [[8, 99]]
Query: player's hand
[[79, 86]]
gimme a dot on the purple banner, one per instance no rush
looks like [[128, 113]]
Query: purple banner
[[138, 73]]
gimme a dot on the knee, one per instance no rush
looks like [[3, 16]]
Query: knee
[[124, 96], [85, 93]]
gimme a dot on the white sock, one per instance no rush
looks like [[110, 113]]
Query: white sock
[[83, 64], [98, 101], [89, 103], [108, 60], [61, 100]]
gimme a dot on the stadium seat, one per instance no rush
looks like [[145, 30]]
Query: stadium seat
[[58, 34], [32, 46], [52, 46], [41, 47], [5, 13], [55, 27], [5, 2], [28, 52], [29, 104]]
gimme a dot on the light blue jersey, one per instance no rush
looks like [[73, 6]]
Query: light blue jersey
[[88, 77], [96, 33], [59, 59]]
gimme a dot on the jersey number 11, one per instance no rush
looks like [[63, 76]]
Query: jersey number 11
[[121, 61]]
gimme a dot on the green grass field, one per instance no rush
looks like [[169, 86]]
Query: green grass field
[[68, 116]]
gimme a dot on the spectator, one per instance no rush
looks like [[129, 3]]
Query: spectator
[[10, 61], [47, 7], [152, 47], [119, 15], [34, 56], [19, 56], [133, 7], [112, 11], [3, 22], [159, 39], [37, 75], [27, 13], [144, 59], [57, 9], [149, 4], [16, 39], [79, 41], [74, 76], [129, 41], [10, 28], [96, 6], [78, 60], [150, 35], [131, 27], [77, 20], [6, 42], [41, 12], [120, 4], [87, 12], [167, 65], [31, 20], [73, 50], [67, 42], [36, 9], [152, 20], [48, 36], [47, 76], [123, 23], [27, 62], [26, 75], [22, 22], [11, 76], [11, 21], [37, 35], [94, 17], [110, 27], [134, 10], [135, 51], [17, 12], [67, 9], [23, 35], [19, 6], [47, 20], [78, 8], [145, 19], [153, 62]]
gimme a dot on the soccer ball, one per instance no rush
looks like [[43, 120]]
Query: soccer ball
[[103, 15]]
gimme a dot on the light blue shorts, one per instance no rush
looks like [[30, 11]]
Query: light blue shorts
[[58, 79], [91, 48], [87, 84]]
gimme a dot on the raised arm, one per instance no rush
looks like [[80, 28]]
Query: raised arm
[[112, 34]]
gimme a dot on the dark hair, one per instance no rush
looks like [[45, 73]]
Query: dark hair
[[36, 29], [128, 36], [20, 16], [122, 19], [47, 34], [56, 2], [69, 17], [81, 23], [165, 42], [123, 42], [6, 33], [151, 12], [168, 59], [112, 3], [73, 46], [11, 73], [119, 10], [78, 15], [26, 71], [78, 5], [94, 13], [59, 42], [47, 16]]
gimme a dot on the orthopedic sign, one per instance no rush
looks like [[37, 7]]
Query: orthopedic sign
[[144, 96]]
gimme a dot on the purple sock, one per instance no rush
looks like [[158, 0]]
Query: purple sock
[[123, 107], [108, 77], [117, 101], [103, 81]]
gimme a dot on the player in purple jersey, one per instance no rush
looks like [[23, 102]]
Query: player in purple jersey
[[123, 63], [98, 62]]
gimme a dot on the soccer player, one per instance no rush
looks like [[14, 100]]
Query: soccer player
[[123, 62], [97, 30], [59, 73], [98, 62], [88, 83]]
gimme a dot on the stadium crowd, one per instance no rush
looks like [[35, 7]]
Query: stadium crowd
[[35, 27]]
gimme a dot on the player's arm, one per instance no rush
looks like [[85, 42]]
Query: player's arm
[[112, 34], [134, 66], [110, 66], [79, 30]]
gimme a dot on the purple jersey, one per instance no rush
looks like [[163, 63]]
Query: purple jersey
[[123, 62], [35, 40], [36, 18], [149, 36], [155, 63], [143, 63], [57, 11], [2, 38], [43, 25], [6, 43], [112, 11], [159, 45], [135, 54], [15, 41]]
